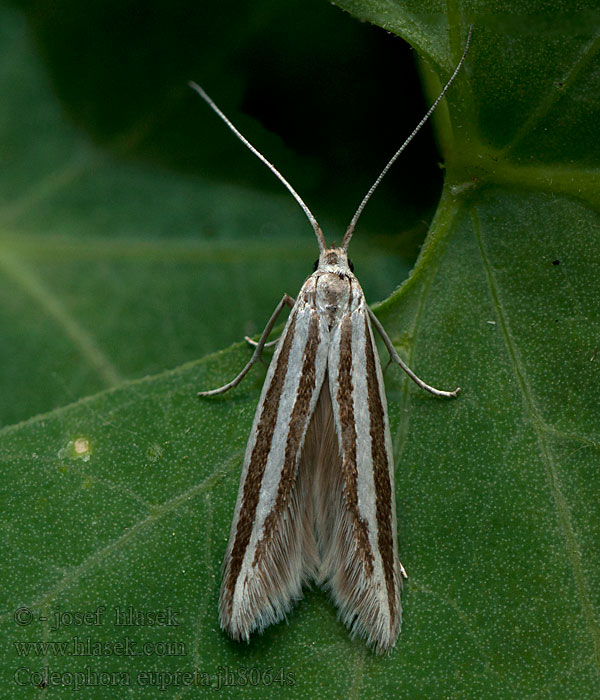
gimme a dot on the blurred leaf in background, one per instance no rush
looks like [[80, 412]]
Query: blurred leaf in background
[[137, 233]]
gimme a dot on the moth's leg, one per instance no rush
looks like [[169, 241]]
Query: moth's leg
[[290, 302], [254, 343], [286, 301], [394, 357]]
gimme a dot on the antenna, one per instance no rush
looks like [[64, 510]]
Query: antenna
[[272, 168], [363, 204]]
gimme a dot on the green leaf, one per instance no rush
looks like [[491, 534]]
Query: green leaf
[[124, 499], [114, 266]]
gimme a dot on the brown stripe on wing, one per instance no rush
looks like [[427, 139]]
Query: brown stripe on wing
[[296, 432], [345, 401], [258, 461], [381, 469]]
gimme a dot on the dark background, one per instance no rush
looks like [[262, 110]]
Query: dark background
[[327, 98]]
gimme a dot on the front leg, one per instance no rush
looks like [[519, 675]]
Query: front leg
[[394, 357], [286, 301]]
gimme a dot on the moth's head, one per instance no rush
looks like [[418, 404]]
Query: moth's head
[[334, 260]]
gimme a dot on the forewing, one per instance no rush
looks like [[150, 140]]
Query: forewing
[[271, 548], [356, 517]]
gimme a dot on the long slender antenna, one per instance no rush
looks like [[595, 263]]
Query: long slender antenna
[[363, 204], [272, 168]]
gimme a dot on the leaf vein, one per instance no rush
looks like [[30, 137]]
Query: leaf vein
[[54, 307], [561, 505]]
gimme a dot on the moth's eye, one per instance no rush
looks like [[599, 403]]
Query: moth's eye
[[350, 265], [316, 265]]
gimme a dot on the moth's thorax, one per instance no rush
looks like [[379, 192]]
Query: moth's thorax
[[332, 289], [332, 295]]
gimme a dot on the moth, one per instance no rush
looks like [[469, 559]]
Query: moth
[[316, 500]]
